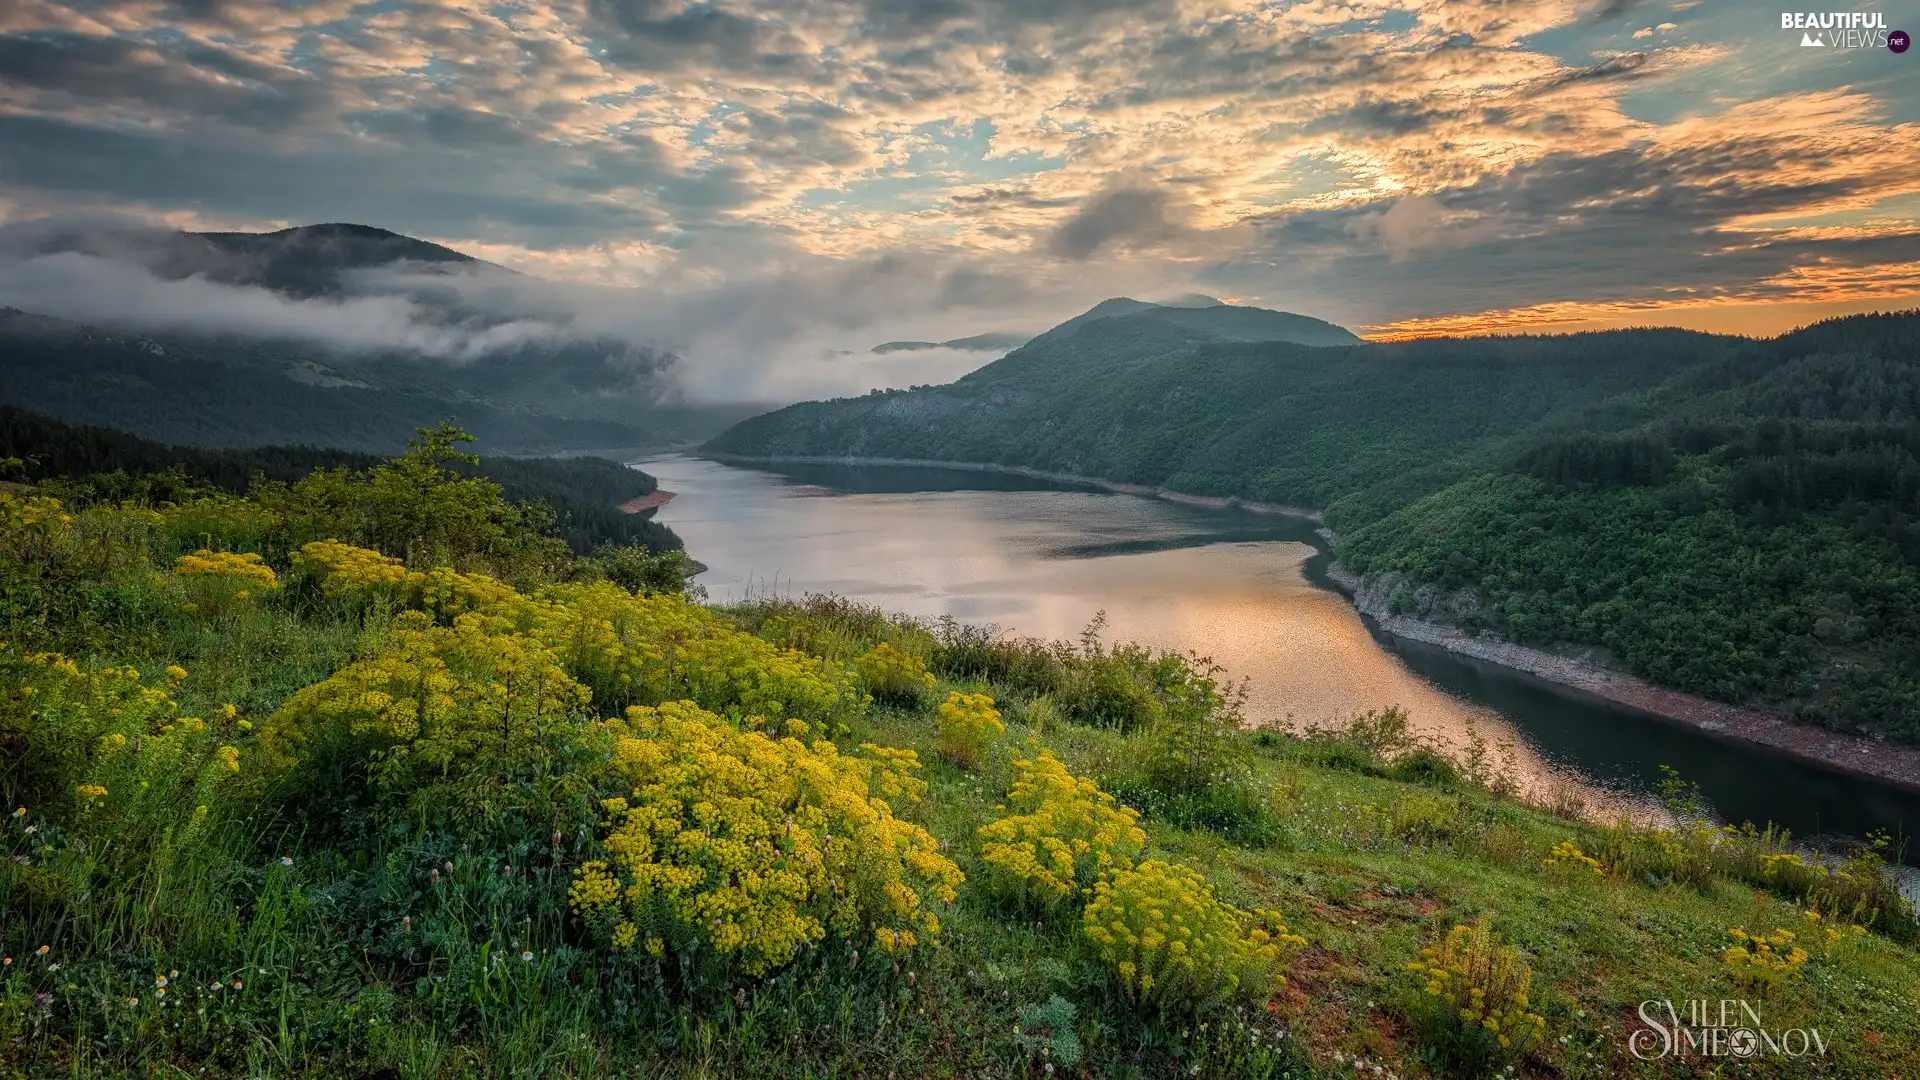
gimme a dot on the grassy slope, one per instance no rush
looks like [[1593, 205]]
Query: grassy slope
[[1366, 904]]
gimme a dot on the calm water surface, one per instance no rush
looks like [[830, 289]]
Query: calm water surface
[[1042, 559]]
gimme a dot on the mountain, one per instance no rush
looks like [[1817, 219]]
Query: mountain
[[989, 342], [526, 393], [312, 260], [1200, 318], [1734, 518]]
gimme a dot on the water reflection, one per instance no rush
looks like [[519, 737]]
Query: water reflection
[[1040, 558]]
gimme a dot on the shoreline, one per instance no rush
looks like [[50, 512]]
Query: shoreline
[[1885, 762], [644, 503], [1144, 491]]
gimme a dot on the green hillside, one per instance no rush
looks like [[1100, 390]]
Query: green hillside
[[366, 778], [1735, 518]]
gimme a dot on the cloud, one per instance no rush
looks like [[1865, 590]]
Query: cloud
[[753, 163]]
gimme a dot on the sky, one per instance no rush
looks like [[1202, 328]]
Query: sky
[[875, 169]]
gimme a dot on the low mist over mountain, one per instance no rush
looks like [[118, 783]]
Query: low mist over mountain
[[989, 342], [340, 334]]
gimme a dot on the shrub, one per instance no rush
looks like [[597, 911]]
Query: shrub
[[105, 728], [1194, 767], [1062, 835], [654, 649], [220, 521], [458, 720], [219, 584], [1654, 856], [1425, 765], [1421, 820], [1177, 949], [356, 574], [1046, 1031], [1569, 863], [755, 848], [643, 572], [29, 525], [1763, 963], [892, 675], [1476, 993], [1040, 715], [969, 726]]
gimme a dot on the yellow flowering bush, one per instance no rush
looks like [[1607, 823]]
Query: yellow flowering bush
[[349, 572], [755, 848], [1177, 948], [1567, 860], [969, 726], [1062, 834], [219, 583], [647, 650], [107, 744], [1480, 993], [457, 715], [29, 524], [1764, 962], [892, 675], [448, 594]]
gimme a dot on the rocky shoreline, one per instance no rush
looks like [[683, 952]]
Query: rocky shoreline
[[1890, 763]]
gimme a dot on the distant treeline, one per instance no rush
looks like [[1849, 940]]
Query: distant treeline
[[583, 493]]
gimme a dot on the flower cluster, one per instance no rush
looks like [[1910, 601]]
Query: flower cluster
[[889, 674], [436, 704], [1567, 856], [647, 650], [1764, 961], [1062, 834], [245, 567], [112, 743], [969, 726], [343, 570], [1179, 949], [624, 649], [30, 514], [756, 848], [1481, 984], [219, 583]]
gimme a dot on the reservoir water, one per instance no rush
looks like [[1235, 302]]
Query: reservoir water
[[1039, 558]]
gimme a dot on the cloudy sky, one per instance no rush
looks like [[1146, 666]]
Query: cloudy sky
[[942, 167]]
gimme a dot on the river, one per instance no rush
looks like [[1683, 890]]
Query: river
[[1041, 558]]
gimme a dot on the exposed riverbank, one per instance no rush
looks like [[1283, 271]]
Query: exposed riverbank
[[653, 501], [1890, 763]]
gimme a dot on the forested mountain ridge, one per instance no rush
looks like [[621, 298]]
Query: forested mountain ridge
[[1735, 518]]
